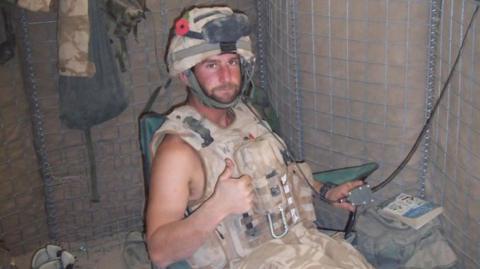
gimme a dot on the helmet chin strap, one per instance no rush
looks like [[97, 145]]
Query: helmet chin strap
[[198, 91]]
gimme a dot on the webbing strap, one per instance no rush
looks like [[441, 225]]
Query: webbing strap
[[201, 48], [154, 95]]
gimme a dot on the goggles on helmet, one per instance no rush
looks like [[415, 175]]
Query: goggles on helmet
[[204, 32]]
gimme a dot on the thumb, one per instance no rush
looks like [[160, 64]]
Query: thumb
[[227, 172]]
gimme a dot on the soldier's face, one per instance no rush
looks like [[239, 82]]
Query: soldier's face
[[220, 76]]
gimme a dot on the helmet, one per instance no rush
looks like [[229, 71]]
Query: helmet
[[208, 31]]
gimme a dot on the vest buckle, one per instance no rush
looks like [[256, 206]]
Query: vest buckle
[[284, 222]]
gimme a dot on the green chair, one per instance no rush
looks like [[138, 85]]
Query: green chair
[[341, 175]]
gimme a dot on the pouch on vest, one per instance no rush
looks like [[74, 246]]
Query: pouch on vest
[[85, 102], [274, 210], [387, 243]]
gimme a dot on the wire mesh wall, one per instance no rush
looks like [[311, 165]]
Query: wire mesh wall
[[360, 75], [366, 74], [281, 69], [22, 218], [455, 158], [348, 80], [70, 215]]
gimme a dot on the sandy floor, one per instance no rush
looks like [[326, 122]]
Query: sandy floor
[[110, 260], [106, 253]]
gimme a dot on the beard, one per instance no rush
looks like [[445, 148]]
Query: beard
[[225, 93]]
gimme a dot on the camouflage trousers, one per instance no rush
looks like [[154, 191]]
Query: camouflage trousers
[[315, 250]]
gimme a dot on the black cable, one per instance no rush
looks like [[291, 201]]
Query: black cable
[[352, 220], [430, 117], [94, 195]]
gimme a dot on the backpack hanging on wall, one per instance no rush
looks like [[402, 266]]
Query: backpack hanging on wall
[[88, 101]]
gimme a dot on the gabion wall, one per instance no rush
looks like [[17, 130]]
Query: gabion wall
[[455, 157], [22, 213], [72, 218], [351, 81], [354, 80], [347, 79]]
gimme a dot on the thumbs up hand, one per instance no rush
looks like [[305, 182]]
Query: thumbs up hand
[[233, 195]]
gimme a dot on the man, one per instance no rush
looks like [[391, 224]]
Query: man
[[224, 192]]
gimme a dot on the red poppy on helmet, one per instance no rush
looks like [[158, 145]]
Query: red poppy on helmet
[[182, 27]]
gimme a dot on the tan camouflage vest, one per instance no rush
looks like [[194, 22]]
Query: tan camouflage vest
[[281, 196]]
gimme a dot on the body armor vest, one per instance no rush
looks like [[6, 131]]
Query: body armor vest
[[281, 196]]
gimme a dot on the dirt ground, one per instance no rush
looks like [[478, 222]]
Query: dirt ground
[[107, 253], [109, 260]]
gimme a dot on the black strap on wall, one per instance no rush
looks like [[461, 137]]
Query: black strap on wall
[[154, 95]]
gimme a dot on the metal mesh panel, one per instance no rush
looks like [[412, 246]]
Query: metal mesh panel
[[365, 72], [70, 214], [360, 70], [347, 78], [281, 69], [455, 158]]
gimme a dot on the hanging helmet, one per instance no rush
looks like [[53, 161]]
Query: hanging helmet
[[208, 31]]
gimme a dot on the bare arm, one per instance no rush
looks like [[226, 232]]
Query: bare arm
[[170, 236]]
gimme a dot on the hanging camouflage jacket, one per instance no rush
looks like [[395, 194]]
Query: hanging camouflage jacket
[[73, 39], [74, 30]]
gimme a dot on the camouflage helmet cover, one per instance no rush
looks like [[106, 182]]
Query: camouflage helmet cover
[[203, 32]]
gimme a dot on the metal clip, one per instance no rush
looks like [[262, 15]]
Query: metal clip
[[284, 222]]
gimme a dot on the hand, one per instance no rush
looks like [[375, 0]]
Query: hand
[[234, 195], [340, 192]]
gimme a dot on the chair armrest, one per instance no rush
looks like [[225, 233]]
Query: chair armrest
[[341, 175]]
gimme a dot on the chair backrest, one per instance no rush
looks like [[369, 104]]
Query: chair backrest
[[341, 175], [148, 122]]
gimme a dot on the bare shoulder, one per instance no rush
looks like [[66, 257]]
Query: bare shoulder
[[175, 168], [175, 164], [174, 146]]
